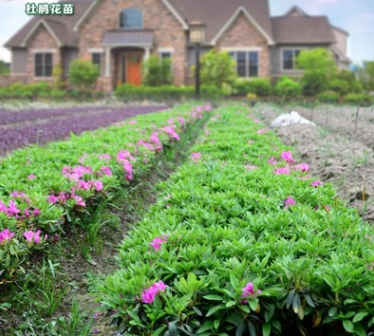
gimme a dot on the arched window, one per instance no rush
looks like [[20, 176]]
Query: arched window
[[131, 18]]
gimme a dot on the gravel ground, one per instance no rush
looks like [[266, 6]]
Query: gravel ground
[[334, 154]]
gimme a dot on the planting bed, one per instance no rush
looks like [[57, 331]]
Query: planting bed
[[242, 241], [50, 129], [333, 153]]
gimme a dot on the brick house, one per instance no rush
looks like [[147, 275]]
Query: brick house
[[118, 35]]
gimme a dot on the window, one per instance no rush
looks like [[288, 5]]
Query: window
[[96, 59], [289, 58], [165, 55], [131, 18], [43, 64], [246, 63]]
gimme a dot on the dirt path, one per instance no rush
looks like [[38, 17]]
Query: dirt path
[[333, 157]]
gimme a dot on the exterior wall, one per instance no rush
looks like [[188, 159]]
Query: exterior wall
[[277, 59], [41, 40], [168, 32], [68, 55], [191, 61], [6, 80], [341, 40], [19, 61], [242, 34]]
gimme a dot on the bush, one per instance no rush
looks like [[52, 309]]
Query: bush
[[340, 86], [218, 68], [328, 97], [287, 88], [157, 72], [83, 74], [358, 98], [261, 87], [313, 83]]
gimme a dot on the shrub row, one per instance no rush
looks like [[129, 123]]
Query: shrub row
[[166, 92], [46, 191], [243, 241]]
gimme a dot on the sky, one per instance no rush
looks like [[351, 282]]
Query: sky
[[355, 16]]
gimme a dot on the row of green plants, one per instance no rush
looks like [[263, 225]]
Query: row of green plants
[[46, 192], [242, 240]]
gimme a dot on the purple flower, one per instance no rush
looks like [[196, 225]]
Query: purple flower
[[6, 235], [149, 294]]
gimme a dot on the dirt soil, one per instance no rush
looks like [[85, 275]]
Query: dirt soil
[[335, 154]]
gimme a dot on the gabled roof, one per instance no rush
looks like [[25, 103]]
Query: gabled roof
[[302, 30], [296, 9], [215, 14], [61, 26]]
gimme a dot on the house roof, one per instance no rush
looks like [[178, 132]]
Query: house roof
[[60, 25], [216, 13], [134, 37], [342, 57], [302, 30]]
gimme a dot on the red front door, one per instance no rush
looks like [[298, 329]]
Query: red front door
[[134, 70]]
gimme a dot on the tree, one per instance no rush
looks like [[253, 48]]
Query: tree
[[218, 68], [319, 67], [369, 74], [83, 74], [4, 69]]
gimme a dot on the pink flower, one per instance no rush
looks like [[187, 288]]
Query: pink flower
[[287, 156], [156, 243], [250, 142], [106, 170], [206, 133], [198, 109], [3, 207], [289, 201], [149, 294], [32, 236], [31, 177], [98, 185], [257, 121], [282, 170], [104, 157], [127, 167], [213, 141], [207, 108], [303, 167], [84, 156], [248, 291], [79, 200], [195, 157], [52, 199], [124, 155], [171, 133], [181, 121], [12, 210], [6, 235], [133, 122], [171, 121], [84, 185], [156, 141], [262, 131], [36, 212], [250, 167], [272, 161], [316, 183]]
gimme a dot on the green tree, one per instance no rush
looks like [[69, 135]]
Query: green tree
[[83, 74], [4, 69], [319, 67], [156, 71], [218, 68], [368, 70]]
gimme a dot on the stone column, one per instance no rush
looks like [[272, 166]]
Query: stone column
[[147, 52], [107, 62]]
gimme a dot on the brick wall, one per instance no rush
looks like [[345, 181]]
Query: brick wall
[[243, 34], [168, 31], [6, 80]]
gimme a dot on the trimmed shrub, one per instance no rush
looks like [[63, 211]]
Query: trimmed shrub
[[358, 98], [328, 97], [83, 74], [287, 88], [157, 72], [340, 86], [261, 87]]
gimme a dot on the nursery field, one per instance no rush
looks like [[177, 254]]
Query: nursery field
[[337, 150], [216, 228], [39, 126]]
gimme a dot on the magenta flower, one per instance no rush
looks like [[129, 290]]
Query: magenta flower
[[195, 157], [261, 131], [149, 294], [104, 157], [98, 185], [124, 155], [248, 291], [250, 167], [52, 199], [207, 108], [289, 201], [31, 177], [79, 200], [6, 235], [272, 161], [133, 122], [36, 212], [287, 156], [12, 210], [303, 167], [171, 133], [127, 167], [106, 170], [206, 132], [198, 109], [156, 141], [282, 171], [32, 237], [3, 207], [84, 185], [316, 183], [156, 243], [181, 121]]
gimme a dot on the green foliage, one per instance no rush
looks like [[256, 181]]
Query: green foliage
[[161, 93], [223, 226], [57, 73], [157, 72], [261, 87], [345, 82], [217, 68], [287, 88], [328, 97], [30, 91], [358, 98], [319, 67], [83, 74], [4, 69]]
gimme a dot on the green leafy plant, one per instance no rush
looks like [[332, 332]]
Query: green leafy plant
[[157, 72], [83, 74], [287, 88]]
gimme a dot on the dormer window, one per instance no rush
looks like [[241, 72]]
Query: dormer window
[[131, 18]]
